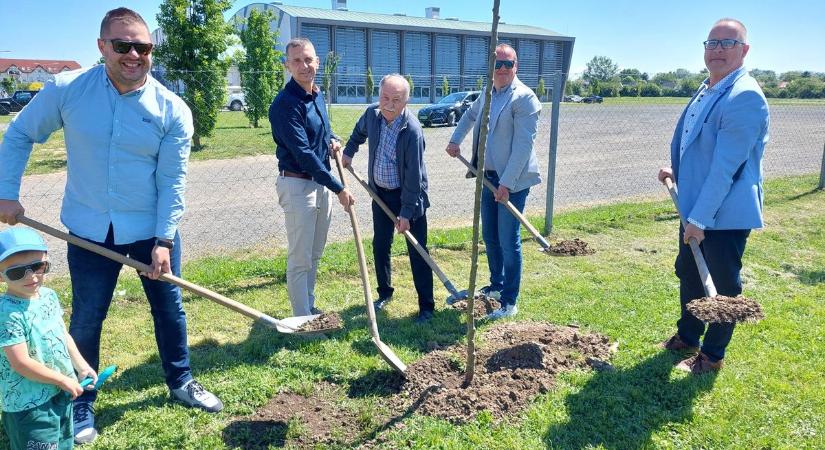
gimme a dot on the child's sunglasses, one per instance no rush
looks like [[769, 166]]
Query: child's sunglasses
[[16, 273], [123, 47]]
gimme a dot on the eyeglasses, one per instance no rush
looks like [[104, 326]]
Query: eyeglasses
[[123, 47], [726, 43], [506, 63], [16, 273]]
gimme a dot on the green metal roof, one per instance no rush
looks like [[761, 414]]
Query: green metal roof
[[356, 17]]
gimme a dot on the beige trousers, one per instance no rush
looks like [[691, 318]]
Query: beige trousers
[[307, 213]]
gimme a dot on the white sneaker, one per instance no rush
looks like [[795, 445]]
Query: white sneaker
[[194, 395], [504, 311]]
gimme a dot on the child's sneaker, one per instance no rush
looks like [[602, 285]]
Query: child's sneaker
[[84, 423]]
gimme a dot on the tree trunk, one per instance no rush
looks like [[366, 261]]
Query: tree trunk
[[196, 142], [482, 143]]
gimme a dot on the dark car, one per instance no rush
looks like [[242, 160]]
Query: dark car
[[593, 99], [16, 102], [448, 110]]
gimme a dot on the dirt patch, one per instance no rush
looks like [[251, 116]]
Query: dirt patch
[[297, 420], [482, 306], [575, 247], [514, 363], [722, 309], [324, 322]]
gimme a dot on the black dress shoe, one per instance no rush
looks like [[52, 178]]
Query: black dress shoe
[[381, 303], [424, 317]]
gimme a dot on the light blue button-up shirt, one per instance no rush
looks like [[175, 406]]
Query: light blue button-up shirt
[[126, 154]]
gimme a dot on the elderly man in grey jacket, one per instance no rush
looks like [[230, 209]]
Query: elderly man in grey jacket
[[397, 174], [510, 164]]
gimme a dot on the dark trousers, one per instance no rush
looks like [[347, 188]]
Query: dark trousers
[[94, 278], [723, 250], [383, 233]]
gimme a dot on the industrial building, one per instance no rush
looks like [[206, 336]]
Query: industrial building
[[427, 48]]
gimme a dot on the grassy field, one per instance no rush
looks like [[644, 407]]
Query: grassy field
[[769, 395]]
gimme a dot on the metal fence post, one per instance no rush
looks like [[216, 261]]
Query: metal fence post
[[558, 82], [822, 170]]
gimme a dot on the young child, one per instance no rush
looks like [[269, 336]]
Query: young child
[[39, 359]]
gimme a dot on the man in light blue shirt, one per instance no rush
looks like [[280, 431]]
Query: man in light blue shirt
[[127, 145]]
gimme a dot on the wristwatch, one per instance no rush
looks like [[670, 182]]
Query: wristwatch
[[165, 243]]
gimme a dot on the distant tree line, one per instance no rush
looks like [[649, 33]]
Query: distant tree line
[[603, 77]]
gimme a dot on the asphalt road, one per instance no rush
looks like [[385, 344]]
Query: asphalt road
[[606, 153]]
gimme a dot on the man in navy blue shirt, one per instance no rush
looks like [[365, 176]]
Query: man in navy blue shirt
[[303, 138]]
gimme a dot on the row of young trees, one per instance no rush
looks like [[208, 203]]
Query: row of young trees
[[603, 77]]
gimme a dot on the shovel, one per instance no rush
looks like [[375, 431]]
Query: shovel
[[701, 265], [290, 325], [543, 242], [455, 294], [385, 351]]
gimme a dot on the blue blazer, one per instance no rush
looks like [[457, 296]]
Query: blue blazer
[[719, 175], [410, 157]]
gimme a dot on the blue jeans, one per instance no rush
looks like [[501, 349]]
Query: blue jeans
[[94, 278], [502, 238], [723, 250]]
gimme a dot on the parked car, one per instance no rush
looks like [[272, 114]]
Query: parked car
[[448, 110], [16, 102], [235, 100], [572, 98], [593, 99]]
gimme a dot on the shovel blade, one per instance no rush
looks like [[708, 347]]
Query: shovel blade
[[458, 296], [297, 322], [389, 356]]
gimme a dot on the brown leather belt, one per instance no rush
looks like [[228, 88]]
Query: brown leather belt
[[286, 173]]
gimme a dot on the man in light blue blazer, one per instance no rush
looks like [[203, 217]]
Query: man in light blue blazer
[[510, 164], [716, 161]]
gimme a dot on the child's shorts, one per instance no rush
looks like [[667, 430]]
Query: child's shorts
[[47, 427]]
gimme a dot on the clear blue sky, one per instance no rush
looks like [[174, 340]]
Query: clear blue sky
[[652, 36]]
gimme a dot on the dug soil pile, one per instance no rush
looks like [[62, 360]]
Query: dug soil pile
[[482, 306], [324, 322], [514, 363], [576, 247], [722, 309]]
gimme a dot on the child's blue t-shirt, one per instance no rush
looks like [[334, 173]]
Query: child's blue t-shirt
[[38, 323]]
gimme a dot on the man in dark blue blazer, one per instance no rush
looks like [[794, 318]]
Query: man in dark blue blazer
[[716, 161], [398, 175]]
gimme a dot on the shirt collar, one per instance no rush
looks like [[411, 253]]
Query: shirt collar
[[396, 123], [724, 82], [296, 89], [109, 83]]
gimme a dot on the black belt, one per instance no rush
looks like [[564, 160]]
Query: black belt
[[287, 173]]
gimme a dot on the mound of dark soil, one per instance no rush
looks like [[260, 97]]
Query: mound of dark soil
[[324, 322], [722, 309], [576, 247], [482, 306], [514, 363]]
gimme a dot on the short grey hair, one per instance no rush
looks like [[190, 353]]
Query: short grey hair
[[395, 76], [508, 46], [298, 42], [735, 22]]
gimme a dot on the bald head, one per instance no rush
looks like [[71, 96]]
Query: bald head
[[735, 24], [722, 61]]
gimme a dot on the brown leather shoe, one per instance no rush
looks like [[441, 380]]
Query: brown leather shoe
[[676, 344], [699, 364]]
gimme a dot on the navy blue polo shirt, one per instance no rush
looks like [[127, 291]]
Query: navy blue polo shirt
[[302, 134]]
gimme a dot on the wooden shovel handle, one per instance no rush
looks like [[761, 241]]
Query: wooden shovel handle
[[141, 267], [543, 242], [701, 265], [441, 276]]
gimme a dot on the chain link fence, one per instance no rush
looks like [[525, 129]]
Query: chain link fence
[[605, 152]]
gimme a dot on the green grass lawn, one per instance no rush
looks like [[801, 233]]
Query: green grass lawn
[[769, 395]]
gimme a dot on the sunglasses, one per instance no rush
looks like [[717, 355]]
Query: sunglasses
[[726, 43], [15, 273], [505, 63], [123, 47]]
